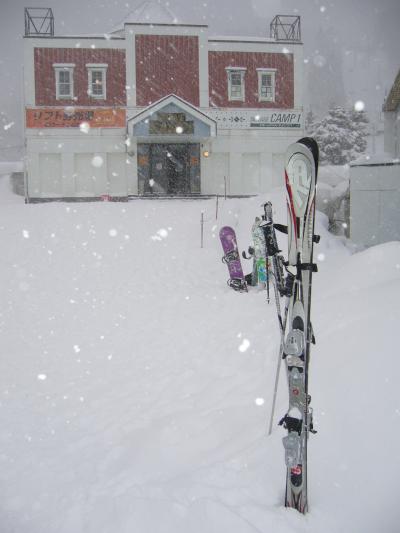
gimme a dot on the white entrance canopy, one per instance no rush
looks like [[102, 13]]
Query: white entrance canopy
[[184, 119]]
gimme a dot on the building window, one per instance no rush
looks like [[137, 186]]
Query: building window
[[97, 80], [236, 83], [266, 85], [64, 80]]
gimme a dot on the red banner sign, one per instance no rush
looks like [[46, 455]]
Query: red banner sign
[[72, 117]]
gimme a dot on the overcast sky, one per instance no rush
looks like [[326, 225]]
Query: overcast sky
[[349, 44]]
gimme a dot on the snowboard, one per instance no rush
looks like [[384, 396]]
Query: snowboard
[[231, 258], [257, 234]]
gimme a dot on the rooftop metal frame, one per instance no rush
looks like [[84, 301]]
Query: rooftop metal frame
[[39, 22], [286, 28]]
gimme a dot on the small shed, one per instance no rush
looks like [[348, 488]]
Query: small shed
[[375, 183], [374, 200]]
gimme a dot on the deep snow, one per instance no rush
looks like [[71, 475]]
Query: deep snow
[[135, 386]]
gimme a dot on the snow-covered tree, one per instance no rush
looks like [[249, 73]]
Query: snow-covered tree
[[341, 135], [359, 123], [310, 122]]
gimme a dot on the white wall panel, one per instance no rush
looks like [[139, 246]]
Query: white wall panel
[[85, 175], [278, 165], [116, 174], [374, 203], [50, 173], [251, 173]]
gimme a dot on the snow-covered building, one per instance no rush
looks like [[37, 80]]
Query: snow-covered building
[[159, 107], [375, 183]]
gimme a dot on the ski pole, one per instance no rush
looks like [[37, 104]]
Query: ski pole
[[278, 366], [202, 229]]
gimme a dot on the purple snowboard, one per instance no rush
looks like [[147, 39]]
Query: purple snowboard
[[232, 258]]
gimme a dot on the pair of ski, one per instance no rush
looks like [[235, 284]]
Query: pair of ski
[[301, 168]]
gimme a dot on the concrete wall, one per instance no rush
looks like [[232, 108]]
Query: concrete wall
[[251, 164], [66, 164]]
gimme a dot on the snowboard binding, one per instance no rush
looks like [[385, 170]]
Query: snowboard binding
[[237, 284], [230, 256]]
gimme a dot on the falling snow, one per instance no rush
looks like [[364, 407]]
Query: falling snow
[[244, 346], [129, 401], [359, 105], [84, 127], [97, 161]]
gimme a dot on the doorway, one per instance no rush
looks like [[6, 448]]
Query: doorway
[[169, 169]]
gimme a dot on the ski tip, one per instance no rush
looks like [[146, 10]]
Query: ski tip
[[312, 145]]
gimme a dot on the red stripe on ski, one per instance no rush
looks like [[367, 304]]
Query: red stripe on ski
[[291, 204]]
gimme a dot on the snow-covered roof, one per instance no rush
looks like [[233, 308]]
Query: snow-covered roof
[[375, 159], [148, 12]]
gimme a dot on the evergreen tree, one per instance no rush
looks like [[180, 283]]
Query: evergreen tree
[[310, 122], [359, 122], [341, 135]]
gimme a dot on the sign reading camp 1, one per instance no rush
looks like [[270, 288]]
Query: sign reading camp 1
[[244, 119], [276, 120]]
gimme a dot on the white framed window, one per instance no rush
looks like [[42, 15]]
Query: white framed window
[[236, 87], [266, 84], [97, 76], [64, 73]]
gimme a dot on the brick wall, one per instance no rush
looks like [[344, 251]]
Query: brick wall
[[218, 78], [45, 81], [167, 64]]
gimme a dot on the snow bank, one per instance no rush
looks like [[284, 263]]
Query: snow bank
[[333, 190], [8, 167], [135, 386]]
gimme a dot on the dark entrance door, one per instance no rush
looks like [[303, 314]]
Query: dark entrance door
[[175, 167], [169, 169]]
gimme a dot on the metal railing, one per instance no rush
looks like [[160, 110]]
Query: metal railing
[[285, 28], [39, 21]]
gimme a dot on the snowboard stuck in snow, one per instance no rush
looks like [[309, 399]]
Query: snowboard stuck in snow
[[301, 168], [232, 259]]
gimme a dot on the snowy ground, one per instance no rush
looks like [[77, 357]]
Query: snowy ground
[[132, 378]]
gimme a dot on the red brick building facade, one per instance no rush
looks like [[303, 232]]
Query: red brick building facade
[[166, 108], [167, 64], [284, 83], [45, 82]]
